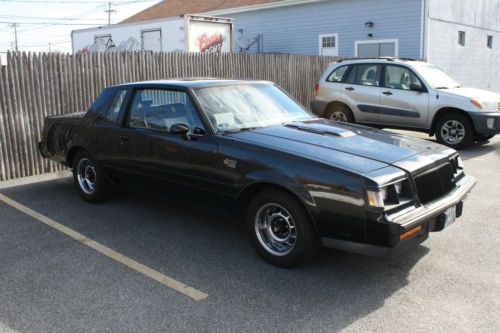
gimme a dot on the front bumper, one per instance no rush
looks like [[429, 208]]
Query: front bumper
[[486, 122], [429, 217]]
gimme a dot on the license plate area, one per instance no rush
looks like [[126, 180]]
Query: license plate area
[[450, 216]]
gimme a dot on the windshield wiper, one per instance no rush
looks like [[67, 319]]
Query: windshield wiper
[[442, 88]]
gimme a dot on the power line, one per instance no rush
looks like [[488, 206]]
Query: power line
[[78, 2], [49, 23], [15, 17]]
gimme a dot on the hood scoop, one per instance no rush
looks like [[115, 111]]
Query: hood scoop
[[323, 130]]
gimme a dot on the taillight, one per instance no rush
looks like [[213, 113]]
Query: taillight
[[316, 88]]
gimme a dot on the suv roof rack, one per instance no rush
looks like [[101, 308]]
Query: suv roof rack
[[377, 58]]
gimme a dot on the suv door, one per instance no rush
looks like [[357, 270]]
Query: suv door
[[361, 90], [404, 100]]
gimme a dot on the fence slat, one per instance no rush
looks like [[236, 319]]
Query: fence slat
[[34, 86]]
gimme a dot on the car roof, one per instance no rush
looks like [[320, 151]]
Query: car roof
[[381, 60], [190, 82]]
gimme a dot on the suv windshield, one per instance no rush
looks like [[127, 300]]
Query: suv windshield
[[435, 77], [247, 106]]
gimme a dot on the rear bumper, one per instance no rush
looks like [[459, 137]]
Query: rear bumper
[[486, 122], [430, 218], [318, 107]]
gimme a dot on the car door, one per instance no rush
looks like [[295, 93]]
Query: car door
[[404, 100], [361, 90], [154, 155]]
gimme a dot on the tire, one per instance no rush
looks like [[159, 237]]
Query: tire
[[340, 113], [455, 130], [295, 240], [89, 179]]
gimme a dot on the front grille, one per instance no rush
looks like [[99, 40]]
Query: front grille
[[435, 183]]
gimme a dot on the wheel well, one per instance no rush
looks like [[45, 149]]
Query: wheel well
[[249, 192], [329, 108], [71, 155], [444, 111]]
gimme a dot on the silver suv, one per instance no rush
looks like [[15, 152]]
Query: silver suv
[[407, 94]]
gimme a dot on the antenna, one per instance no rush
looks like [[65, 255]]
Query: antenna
[[109, 11]]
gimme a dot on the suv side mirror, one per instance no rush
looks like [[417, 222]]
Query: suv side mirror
[[416, 87], [181, 129]]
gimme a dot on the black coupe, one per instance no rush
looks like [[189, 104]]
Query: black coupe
[[246, 146]]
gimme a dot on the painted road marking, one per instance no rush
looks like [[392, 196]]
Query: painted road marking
[[136, 266]]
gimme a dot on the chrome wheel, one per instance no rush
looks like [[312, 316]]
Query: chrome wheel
[[86, 176], [338, 116], [453, 132], [275, 229]]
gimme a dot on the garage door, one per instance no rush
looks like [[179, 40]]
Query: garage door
[[376, 49]]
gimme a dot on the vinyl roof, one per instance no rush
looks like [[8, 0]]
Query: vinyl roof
[[169, 8]]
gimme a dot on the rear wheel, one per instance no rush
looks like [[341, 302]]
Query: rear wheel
[[340, 113], [89, 179], [280, 229], [455, 130]]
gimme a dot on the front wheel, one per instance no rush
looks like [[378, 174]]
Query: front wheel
[[280, 229], [455, 131], [89, 179]]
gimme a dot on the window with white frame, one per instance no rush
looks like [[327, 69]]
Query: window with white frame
[[328, 45]]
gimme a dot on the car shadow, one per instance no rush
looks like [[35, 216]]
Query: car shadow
[[212, 253]]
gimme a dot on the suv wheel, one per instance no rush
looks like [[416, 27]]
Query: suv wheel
[[340, 113], [90, 180], [455, 131], [280, 229]]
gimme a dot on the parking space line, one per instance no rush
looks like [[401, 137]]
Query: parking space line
[[136, 266]]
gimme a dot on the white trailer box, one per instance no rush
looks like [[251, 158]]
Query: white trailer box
[[188, 33]]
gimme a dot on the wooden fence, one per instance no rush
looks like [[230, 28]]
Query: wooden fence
[[33, 86]]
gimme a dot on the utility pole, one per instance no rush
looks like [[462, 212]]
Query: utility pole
[[50, 50], [109, 11], [15, 25]]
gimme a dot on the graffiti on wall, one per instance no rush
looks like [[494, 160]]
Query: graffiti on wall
[[106, 44]]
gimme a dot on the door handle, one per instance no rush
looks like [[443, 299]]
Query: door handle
[[349, 88], [387, 93], [124, 137]]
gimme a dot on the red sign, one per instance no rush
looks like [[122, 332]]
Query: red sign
[[211, 44]]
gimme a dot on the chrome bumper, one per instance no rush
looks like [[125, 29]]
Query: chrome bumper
[[411, 217]]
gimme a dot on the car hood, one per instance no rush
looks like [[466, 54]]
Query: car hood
[[358, 148], [479, 94]]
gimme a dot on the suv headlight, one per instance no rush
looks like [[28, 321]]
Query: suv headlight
[[485, 106], [388, 195]]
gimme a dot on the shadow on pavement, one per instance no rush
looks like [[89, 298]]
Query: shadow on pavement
[[208, 252]]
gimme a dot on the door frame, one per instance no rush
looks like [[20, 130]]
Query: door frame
[[320, 40], [377, 41]]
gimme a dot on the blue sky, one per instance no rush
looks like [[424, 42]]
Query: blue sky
[[51, 21]]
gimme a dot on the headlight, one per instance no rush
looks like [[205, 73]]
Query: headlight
[[389, 194], [482, 105]]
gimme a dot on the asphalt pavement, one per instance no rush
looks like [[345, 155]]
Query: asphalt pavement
[[52, 282]]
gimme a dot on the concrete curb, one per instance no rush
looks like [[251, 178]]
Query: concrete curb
[[34, 179]]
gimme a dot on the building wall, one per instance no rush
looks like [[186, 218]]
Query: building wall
[[296, 29], [473, 64]]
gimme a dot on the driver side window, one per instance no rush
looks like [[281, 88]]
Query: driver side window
[[160, 109]]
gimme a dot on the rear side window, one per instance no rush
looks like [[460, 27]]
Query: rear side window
[[115, 107], [337, 75], [368, 75]]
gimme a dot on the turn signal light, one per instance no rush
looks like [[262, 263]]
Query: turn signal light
[[316, 88], [476, 103], [411, 232]]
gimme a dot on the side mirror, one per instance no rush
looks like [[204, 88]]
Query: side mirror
[[416, 87], [181, 129]]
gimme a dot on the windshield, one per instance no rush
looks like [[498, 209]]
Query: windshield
[[247, 106], [435, 77]]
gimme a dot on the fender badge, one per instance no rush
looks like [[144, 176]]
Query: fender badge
[[230, 163]]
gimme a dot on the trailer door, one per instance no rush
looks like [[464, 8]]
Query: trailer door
[[151, 40]]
